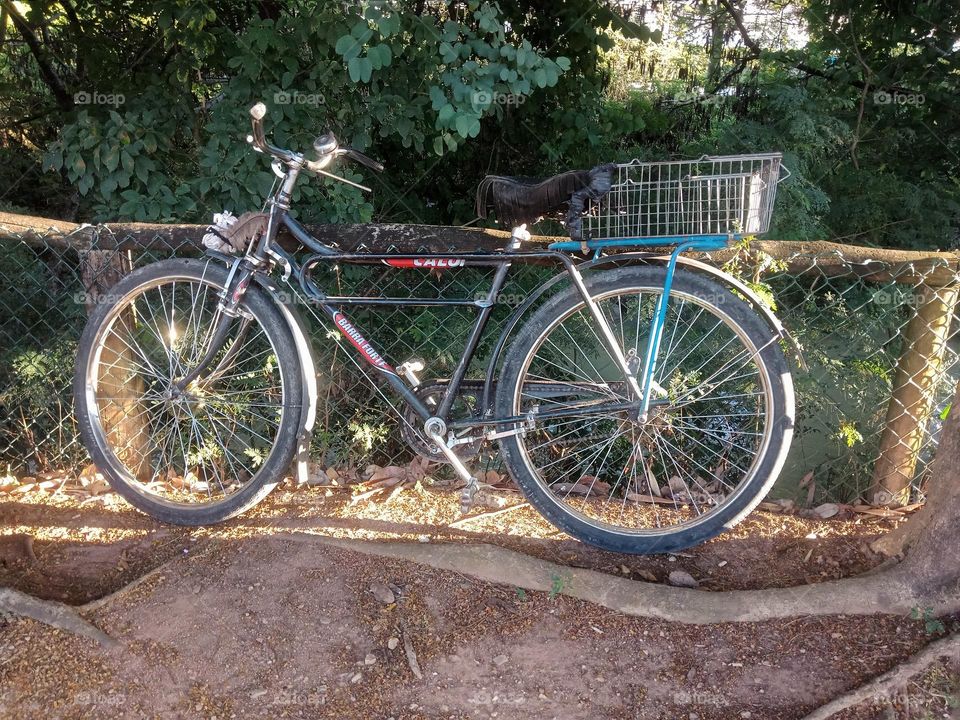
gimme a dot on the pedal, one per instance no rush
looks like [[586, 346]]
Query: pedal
[[409, 370], [435, 429], [468, 494]]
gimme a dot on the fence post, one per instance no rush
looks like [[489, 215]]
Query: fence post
[[918, 371], [119, 385]]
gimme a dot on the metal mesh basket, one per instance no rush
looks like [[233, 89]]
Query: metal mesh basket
[[715, 195]]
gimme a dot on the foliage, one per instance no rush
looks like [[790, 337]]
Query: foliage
[[406, 81], [931, 623]]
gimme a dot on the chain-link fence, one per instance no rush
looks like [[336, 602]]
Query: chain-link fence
[[878, 337]]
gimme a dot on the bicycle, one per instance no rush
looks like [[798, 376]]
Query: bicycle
[[642, 402]]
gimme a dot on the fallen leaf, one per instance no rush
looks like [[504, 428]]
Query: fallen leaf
[[382, 593]]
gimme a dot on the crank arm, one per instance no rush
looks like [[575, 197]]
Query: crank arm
[[473, 482], [489, 435]]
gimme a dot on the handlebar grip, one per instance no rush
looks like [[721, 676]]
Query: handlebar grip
[[364, 160]]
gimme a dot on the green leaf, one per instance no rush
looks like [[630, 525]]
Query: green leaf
[[361, 29], [55, 160], [353, 67], [447, 53], [563, 63], [143, 167], [366, 69], [438, 145], [467, 125], [86, 182], [111, 159], [446, 112], [437, 97], [344, 44]]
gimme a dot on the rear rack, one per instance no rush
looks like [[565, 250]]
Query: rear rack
[[714, 196]]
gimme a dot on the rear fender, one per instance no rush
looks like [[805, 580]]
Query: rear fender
[[686, 263]]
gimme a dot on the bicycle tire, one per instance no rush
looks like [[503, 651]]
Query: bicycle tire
[[263, 310], [748, 494]]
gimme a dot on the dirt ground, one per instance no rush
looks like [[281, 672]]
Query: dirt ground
[[256, 618]]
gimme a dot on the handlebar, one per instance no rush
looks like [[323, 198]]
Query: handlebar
[[354, 154], [259, 140], [326, 145]]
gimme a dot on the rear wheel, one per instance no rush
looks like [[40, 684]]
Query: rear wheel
[[214, 449], [715, 438]]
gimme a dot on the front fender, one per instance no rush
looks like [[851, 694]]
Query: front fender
[[301, 337]]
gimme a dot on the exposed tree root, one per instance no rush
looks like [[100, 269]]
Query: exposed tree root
[[885, 592], [886, 685], [134, 584], [63, 617]]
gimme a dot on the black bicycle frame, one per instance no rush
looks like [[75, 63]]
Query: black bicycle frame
[[331, 304]]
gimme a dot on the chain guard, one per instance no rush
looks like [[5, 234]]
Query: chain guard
[[430, 394]]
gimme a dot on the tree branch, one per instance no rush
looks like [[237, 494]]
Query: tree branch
[[3, 25], [737, 16], [755, 49], [49, 75]]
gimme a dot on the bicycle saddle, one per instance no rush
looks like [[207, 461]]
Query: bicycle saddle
[[523, 200]]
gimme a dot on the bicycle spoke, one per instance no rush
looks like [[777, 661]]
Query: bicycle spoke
[[696, 446], [204, 442]]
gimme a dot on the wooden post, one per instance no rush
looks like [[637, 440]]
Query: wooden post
[[918, 371], [120, 386]]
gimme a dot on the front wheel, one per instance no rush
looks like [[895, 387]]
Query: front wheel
[[712, 444], [202, 453]]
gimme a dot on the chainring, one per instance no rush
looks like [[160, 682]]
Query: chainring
[[430, 394]]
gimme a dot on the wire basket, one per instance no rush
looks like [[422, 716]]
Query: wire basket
[[716, 195]]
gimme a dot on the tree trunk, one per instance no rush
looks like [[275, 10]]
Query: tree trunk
[[919, 371], [929, 540], [120, 386]]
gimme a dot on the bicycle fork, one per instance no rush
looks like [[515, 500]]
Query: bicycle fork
[[229, 309]]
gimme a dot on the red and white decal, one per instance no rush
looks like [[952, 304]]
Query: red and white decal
[[360, 343], [429, 263]]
